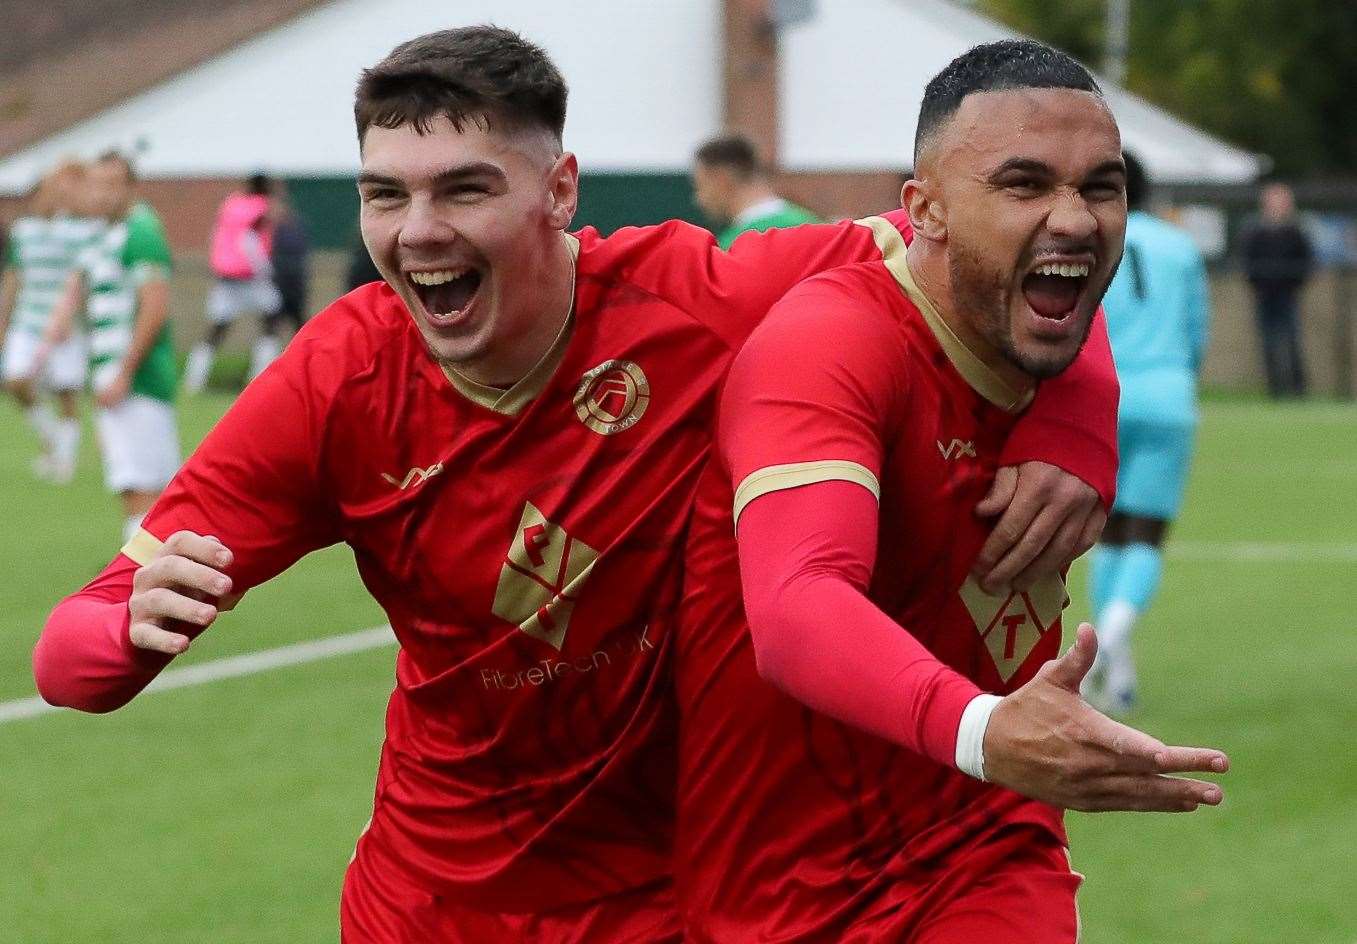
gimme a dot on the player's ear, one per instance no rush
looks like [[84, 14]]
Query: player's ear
[[927, 215], [563, 189]]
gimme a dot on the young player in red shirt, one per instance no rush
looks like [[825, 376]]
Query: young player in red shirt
[[509, 434], [847, 800]]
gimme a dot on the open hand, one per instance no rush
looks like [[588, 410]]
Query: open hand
[[1045, 742]]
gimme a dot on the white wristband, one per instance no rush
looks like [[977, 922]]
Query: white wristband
[[970, 735]]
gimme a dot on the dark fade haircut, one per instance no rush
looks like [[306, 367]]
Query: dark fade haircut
[[732, 151], [1137, 183], [114, 156], [483, 75], [996, 67]]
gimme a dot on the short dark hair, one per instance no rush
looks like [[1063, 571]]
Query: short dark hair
[[996, 67], [480, 74], [114, 156], [259, 184], [732, 151], [1137, 183]]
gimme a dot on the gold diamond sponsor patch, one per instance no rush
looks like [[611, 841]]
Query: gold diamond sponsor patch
[[541, 577], [1011, 625]]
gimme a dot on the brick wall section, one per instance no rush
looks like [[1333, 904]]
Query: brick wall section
[[100, 54], [749, 73]]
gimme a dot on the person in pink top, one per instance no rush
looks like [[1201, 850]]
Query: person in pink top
[[239, 256]]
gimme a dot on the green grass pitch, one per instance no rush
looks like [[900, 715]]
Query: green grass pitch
[[227, 812]]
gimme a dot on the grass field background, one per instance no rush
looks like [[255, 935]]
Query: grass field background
[[226, 812]]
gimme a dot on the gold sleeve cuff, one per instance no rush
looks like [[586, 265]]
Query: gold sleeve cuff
[[142, 547], [775, 478]]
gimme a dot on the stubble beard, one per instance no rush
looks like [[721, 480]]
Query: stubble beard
[[981, 292]]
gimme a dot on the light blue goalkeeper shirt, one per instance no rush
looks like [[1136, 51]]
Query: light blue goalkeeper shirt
[[1158, 314]]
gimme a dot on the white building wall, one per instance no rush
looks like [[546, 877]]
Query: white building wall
[[644, 78]]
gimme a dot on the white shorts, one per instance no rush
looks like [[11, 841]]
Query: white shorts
[[65, 368], [231, 298], [139, 439]]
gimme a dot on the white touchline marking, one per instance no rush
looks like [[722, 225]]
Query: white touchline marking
[[233, 666], [1280, 552], [1217, 552]]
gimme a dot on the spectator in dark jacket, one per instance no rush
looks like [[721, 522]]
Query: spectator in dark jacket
[[1277, 261], [362, 269], [291, 266]]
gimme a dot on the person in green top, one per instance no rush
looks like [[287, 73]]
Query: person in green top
[[733, 188], [122, 278]]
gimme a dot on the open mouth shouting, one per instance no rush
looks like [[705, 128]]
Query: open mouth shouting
[[1053, 290], [446, 294]]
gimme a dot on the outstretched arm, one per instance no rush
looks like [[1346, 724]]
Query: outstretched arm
[[105, 644], [1045, 742], [806, 556], [248, 503]]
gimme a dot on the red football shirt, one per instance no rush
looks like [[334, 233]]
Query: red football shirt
[[794, 826], [526, 545]]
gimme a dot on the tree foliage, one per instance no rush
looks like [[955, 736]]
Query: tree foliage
[[1275, 76]]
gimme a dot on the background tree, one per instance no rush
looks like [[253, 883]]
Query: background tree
[[1274, 76]]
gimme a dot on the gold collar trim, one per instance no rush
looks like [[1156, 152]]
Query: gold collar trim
[[972, 369], [511, 402]]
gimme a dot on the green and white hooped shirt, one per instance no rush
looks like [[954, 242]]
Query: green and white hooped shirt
[[125, 257], [43, 251]]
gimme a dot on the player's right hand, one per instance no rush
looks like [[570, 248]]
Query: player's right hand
[[177, 587], [1046, 742]]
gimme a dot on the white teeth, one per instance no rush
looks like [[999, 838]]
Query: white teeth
[[437, 278], [1073, 271]]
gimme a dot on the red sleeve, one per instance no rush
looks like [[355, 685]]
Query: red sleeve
[[818, 382], [1072, 423], [255, 482], [84, 658], [803, 422], [806, 557], [730, 292]]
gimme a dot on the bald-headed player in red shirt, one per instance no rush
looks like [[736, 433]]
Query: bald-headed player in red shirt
[[873, 747], [508, 432]]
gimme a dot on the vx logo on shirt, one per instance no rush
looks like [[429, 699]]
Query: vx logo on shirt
[[957, 448], [415, 476]]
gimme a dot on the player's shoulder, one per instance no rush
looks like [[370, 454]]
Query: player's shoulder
[[641, 254], [352, 335], [670, 271], [858, 294], [853, 312], [143, 218]]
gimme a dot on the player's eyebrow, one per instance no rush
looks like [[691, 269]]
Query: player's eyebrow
[[1117, 166], [443, 177], [1028, 165], [1021, 165]]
